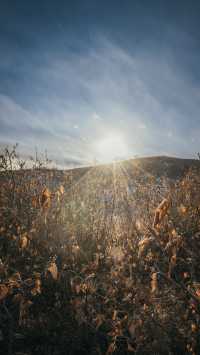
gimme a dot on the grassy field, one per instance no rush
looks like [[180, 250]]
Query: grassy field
[[100, 260]]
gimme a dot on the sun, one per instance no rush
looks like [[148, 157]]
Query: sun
[[111, 148]]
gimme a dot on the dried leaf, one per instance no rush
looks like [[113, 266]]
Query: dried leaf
[[114, 315], [37, 288], [23, 241], [144, 244], [194, 328], [62, 189], [15, 279], [53, 270], [35, 201], [46, 198], [3, 291], [182, 209], [160, 212], [154, 282]]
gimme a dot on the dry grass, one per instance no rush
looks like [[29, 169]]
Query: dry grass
[[96, 263]]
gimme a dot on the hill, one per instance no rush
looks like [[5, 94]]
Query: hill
[[166, 166], [158, 166]]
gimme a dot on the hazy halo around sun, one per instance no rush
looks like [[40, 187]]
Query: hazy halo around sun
[[110, 148]]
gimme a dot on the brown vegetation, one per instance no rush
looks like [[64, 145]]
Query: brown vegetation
[[100, 262]]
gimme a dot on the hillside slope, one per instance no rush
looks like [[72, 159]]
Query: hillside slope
[[158, 166]]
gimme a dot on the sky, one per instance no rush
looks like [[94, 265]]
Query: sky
[[87, 80]]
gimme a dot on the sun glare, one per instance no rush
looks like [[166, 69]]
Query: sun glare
[[111, 148]]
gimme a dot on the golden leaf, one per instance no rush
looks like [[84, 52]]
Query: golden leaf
[[160, 212], [62, 189], [143, 245], [53, 270], [46, 193], [35, 201], [46, 198], [138, 224], [194, 327], [173, 260], [37, 288], [14, 280], [23, 241], [174, 233], [114, 315], [182, 209]]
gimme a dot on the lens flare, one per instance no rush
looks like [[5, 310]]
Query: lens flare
[[111, 148]]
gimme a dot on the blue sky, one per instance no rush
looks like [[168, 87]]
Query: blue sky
[[74, 72]]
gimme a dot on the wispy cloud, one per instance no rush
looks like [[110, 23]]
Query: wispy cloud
[[78, 98]]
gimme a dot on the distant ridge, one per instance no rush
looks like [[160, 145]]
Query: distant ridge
[[159, 166], [166, 166]]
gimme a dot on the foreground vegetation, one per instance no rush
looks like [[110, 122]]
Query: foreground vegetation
[[91, 265]]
